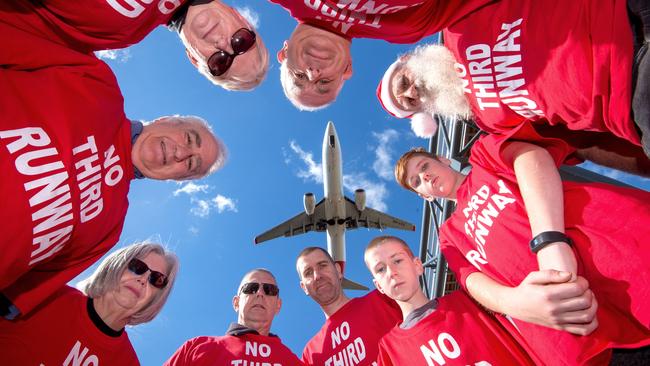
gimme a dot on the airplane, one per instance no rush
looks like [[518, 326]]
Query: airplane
[[334, 213]]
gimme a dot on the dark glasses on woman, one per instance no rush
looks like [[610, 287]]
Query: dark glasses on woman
[[241, 41], [156, 279], [252, 288]]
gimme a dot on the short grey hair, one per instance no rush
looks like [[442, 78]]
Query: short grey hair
[[291, 91], [107, 277], [231, 82], [255, 270]]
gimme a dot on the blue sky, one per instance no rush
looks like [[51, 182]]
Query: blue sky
[[275, 156]]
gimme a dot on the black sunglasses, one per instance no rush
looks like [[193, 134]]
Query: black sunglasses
[[156, 279], [252, 288], [241, 41]]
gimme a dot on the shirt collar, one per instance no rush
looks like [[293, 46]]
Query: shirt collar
[[236, 329], [136, 130]]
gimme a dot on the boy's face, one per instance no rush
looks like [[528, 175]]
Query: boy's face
[[431, 178], [395, 272]]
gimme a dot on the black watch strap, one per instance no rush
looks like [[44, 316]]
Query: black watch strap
[[546, 238]]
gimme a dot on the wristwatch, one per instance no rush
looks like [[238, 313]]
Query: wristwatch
[[546, 238]]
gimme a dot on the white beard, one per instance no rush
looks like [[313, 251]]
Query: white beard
[[440, 87]]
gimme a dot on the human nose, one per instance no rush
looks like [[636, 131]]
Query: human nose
[[411, 92], [313, 73], [181, 153]]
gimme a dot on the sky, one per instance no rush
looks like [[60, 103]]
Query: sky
[[274, 158]]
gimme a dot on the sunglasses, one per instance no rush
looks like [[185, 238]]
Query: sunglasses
[[251, 288], [156, 279], [241, 41]]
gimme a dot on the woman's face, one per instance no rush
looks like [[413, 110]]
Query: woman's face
[[134, 291]]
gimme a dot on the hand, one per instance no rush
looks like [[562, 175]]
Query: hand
[[554, 299]]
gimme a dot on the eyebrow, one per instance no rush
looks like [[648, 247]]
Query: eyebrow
[[197, 137]]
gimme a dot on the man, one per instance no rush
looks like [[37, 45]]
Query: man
[[448, 329], [426, 81], [210, 31], [249, 341], [68, 154], [316, 61], [353, 326]]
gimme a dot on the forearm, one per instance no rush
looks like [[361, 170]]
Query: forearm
[[489, 293], [558, 256]]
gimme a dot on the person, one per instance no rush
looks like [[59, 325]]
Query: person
[[69, 153], [425, 82], [249, 341], [218, 40], [450, 329], [315, 61], [129, 287], [513, 194], [348, 335]]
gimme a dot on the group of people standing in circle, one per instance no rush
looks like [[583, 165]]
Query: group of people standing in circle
[[552, 272]]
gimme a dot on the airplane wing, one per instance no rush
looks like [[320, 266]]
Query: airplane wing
[[372, 219], [297, 225]]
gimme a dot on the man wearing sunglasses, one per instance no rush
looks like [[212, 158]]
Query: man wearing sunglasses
[[204, 26], [364, 319], [68, 154], [249, 340]]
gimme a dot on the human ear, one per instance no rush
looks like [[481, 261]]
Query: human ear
[[192, 59], [282, 53]]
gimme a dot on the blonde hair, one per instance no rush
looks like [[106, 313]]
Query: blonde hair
[[374, 243], [107, 277]]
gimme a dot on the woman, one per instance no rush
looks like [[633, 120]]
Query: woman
[[513, 194], [86, 327]]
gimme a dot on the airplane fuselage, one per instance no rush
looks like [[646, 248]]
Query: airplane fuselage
[[333, 192]]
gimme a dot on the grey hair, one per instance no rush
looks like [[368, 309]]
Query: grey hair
[[291, 91], [231, 82], [255, 270], [107, 277]]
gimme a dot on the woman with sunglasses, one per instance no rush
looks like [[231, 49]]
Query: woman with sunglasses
[[86, 327]]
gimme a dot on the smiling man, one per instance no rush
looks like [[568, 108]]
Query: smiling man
[[249, 340], [352, 327]]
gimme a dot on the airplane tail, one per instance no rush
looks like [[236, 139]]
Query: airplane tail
[[351, 285]]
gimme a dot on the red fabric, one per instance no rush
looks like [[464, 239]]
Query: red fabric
[[553, 61], [61, 333], [69, 179], [244, 350], [353, 332], [458, 332], [609, 227], [396, 21], [89, 25]]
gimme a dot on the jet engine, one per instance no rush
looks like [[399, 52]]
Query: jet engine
[[360, 199], [309, 202]]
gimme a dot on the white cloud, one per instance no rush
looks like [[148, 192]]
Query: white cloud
[[314, 170], [220, 203], [191, 188], [224, 203], [121, 55], [376, 192], [251, 15], [383, 165], [193, 230]]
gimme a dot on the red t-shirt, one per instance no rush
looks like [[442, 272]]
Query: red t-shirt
[[396, 21], [552, 61], [243, 350], [61, 332], [457, 332], [89, 25], [490, 231], [351, 334], [65, 156]]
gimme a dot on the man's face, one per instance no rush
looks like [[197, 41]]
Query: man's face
[[175, 148], [395, 272], [257, 308], [431, 178], [404, 91], [320, 278], [318, 63], [208, 28]]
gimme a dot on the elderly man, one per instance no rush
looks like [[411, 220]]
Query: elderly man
[[316, 61], [364, 319], [427, 81], [249, 341], [68, 154], [218, 40]]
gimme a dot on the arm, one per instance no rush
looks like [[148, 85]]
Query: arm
[[546, 298], [541, 188]]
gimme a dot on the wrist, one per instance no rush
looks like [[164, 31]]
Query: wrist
[[543, 239]]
